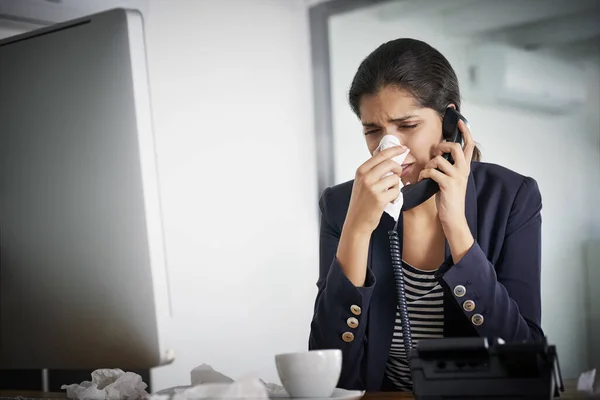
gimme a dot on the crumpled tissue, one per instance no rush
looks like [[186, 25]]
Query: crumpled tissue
[[109, 384], [208, 383], [586, 382], [393, 208]]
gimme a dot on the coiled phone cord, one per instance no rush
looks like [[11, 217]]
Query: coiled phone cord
[[396, 254]]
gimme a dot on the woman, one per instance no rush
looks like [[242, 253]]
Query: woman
[[471, 253]]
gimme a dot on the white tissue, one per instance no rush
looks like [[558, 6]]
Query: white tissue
[[206, 374], [585, 383], [208, 383], [393, 208], [109, 384], [246, 389]]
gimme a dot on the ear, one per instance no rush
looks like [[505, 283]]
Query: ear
[[452, 105]]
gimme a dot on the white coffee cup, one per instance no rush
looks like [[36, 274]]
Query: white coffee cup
[[312, 373]]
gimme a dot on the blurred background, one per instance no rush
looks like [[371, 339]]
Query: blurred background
[[252, 123]]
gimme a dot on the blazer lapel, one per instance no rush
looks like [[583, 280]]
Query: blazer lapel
[[471, 206], [382, 311]]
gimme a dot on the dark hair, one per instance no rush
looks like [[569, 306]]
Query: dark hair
[[411, 65]]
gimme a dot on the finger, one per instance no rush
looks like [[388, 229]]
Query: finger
[[383, 168], [382, 156], [469, 143], [387, 183], [438, 176], [442, 164], [457, 154], [391, 194]]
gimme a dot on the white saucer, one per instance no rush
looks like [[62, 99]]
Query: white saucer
[[338, 394]]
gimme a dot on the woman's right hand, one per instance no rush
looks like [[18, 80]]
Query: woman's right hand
[[370, 194], [372, 191]]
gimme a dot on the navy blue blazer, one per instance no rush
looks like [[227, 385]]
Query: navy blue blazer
[[501, 274]]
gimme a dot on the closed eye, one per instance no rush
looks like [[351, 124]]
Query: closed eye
[[404, 126]]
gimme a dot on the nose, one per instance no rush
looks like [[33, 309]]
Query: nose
[[394, 132]]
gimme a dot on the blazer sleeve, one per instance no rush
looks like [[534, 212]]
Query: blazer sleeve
[[338, 300], [507, 295]]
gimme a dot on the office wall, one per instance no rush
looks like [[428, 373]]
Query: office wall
[[232, 103], [559, 152]]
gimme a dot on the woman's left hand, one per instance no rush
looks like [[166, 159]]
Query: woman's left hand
[[452, 179]]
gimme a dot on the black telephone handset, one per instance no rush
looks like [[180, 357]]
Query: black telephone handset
[[420, 192], [413, 196]]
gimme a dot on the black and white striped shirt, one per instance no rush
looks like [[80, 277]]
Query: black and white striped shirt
[[425, 299]]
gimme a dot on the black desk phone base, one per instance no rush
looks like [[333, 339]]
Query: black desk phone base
[[481, 368]]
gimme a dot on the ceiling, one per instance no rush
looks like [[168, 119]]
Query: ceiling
[[45, 12], [567, 27]]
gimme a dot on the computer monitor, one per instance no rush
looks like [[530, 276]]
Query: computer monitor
[[83, 278]]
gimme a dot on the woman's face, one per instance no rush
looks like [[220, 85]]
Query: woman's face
[[393, 111]]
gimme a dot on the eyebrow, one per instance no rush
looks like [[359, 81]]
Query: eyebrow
[[393, 121]]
